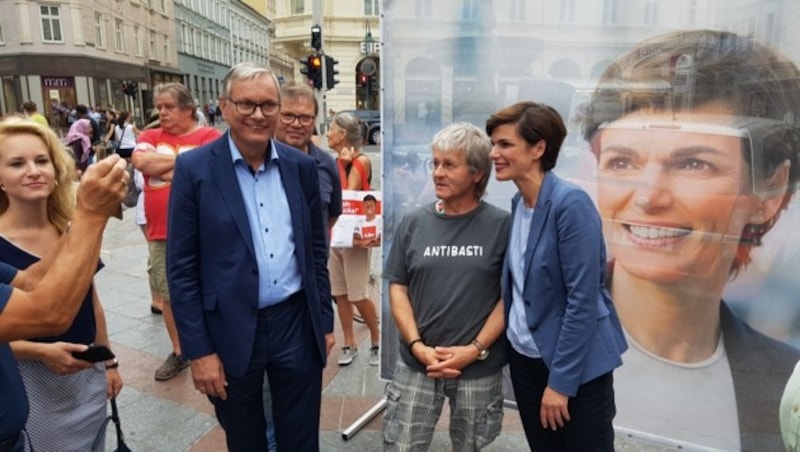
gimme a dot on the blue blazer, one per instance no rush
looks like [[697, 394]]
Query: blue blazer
[[211, 263], [567, 307]]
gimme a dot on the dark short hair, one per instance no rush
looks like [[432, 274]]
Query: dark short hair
[[82, 109], [29, 106], [683, 70], [535, 122], [370, 198]]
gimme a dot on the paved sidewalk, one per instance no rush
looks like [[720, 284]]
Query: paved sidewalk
[[172, 416]]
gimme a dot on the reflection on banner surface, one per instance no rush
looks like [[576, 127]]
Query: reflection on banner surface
[[703, 246]]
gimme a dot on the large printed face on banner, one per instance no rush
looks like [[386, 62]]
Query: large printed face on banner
[[688, 141]]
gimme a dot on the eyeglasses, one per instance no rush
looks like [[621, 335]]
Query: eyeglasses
[[446, 166], [304, 120], [247, 108]]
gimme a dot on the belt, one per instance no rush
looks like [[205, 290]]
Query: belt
[[9, 444], [285, 304]]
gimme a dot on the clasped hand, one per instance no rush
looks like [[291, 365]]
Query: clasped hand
[[445, 362]]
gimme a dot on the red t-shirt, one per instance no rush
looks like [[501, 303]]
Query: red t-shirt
[[156, 190]]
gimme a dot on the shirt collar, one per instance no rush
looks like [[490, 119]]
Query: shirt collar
[[236, 154]]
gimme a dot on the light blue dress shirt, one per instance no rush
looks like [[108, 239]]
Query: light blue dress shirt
[[270, 226], [518, 333]]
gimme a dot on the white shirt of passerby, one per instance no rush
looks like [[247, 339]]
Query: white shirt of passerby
[[138, 180], [201, 117]]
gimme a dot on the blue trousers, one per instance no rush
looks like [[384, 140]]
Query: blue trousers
[[286, 350]]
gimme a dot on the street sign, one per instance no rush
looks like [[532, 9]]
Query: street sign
[[368, 66]]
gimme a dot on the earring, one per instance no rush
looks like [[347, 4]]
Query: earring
[[752, 234], [2, 187]]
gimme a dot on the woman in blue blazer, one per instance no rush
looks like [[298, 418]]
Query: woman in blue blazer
[[564, 335]]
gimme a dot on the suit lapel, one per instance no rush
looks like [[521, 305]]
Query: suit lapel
[[290, 178], [225, 175], [539, 217]]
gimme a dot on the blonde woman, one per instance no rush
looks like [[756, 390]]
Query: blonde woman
[[67, 396]]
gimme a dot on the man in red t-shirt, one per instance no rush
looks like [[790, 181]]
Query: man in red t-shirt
[[154, 156]]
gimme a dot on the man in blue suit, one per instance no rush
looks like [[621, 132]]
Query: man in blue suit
[[247, 271]]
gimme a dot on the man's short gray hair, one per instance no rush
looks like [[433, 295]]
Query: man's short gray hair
[[248, 71]]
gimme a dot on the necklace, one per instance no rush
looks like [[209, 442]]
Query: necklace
[[439, 206]]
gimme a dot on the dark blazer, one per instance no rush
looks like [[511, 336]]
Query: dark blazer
[[211, 263], [760, 367], [567, 307]]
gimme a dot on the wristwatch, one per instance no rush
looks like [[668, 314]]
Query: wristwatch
[[482, 352]]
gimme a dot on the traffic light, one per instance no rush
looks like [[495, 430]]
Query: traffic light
[[330, 72], [363, 79], [316, 38], [313, 70], [130, 89]]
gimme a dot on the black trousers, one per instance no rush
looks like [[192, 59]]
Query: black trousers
[[591, 411]]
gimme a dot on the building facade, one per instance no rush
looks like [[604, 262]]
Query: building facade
[[351, 35], [63, 53], [204, 45]]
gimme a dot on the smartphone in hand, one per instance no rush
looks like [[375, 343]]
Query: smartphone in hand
[[94, 353]]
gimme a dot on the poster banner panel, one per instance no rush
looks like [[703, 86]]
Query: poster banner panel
[[361, 222], [683, 127]]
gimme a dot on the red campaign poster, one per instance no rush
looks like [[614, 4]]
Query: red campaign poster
[[361, 222]]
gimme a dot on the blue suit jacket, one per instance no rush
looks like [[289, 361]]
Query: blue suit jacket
[[211, 263], [567, 307]]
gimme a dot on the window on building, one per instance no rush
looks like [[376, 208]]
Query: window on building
[[99, 31], [771, 37], [371, 7], [567, 11], [518, 10], [153, 49], [298, 6], [651, 12], [470, 9], [137, 36], [184, 38], [610, 8], [691, 12], [119, 35], [167, 50], [423, 8], [1, 34], [51, 24]]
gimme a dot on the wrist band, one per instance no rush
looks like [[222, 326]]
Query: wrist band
[[411, 344], [113, 365]]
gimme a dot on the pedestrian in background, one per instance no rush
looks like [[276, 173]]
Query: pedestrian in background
[[565, 337], [349, 267], [154, 156], [125, 134], [247, 271], [29, 108], [444, 271]]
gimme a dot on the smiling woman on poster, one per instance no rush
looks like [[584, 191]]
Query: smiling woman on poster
[[697, 152]]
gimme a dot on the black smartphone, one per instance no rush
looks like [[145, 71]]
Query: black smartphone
[[94, 353]]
